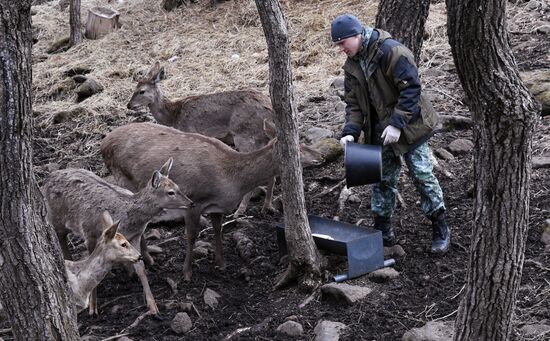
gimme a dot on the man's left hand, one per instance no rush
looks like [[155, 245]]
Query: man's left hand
[[390, 134]]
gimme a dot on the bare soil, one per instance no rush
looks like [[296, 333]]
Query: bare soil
[[428, 287]]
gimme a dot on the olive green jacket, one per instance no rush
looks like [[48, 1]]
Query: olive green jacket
[[378, 93]]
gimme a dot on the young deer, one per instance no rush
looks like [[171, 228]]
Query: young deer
[[233, 117], [84, 275], [215, 176], [75, 199]]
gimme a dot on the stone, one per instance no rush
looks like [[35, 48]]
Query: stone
[[455, 122], [340, 108], [544, 29], [200, 252], [431, 331], [395, 250], [461, 146], [534, 330], [444, 154], [154, 249], [211, 298], [383, 275], [181, 323], [77, 70], [538, 83], [329, 148], [316, 134], [328, 330], [87, 89], [116, 308], [124, 338], [541, 162], [291, 328], [341, 291]]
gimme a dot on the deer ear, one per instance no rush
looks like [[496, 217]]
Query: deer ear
[[160, 75], [106, 220], [269, 129], [152, 74], [155, 179], [165, 169], [110, 232]]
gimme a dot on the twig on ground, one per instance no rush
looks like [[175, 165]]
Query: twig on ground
[[135, 323], [537, 264], [308, 299], [114, 337], [113, 300], [5, 331], [237, 332], [167, 241], [446, 316], [330, 190]]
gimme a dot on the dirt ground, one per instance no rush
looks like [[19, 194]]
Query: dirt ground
[[428, 288]]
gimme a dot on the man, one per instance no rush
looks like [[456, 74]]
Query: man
[[383, 100]]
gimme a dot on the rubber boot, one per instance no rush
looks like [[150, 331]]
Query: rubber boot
[[383, 224], [441, 234]]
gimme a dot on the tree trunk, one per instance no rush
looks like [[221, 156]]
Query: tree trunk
[[504, 115], [74, 22], [101, 21], [405, 21], [304, 258], [33, 287]]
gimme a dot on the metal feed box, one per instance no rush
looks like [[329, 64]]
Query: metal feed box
[[362, 245]]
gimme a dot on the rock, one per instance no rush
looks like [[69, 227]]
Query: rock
[[544, 29], [340, 108], [79, 79], [432, 331], [77, 70], [154, 249], [153, 234], [534, 330], [395, 250], [211, 298], [337, 87], [541, 162], [181, 323], [455, 122], [200, 252], [245, 246], [124, 338], [329, 148], [461, 146], [87, 89], [66, 115], [206, 245], [116, 308], [538, 83], [291, 328], [316, 134], [89, 338], [383, 275], [328, 330], [349, 293], [60, 45], [443, 154]]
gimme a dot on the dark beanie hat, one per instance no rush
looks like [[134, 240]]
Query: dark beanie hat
[[345, 26]]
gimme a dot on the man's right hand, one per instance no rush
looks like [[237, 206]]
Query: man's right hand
[[346, 139]]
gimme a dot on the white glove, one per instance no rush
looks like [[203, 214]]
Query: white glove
[[391, 135], [346, 139]]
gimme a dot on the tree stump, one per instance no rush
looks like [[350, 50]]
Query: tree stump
[[101, 20]]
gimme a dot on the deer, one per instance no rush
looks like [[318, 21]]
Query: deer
[[233, 117], [214, 176], [84, 275], [75, 199]]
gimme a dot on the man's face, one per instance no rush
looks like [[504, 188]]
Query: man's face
[[350, 46]]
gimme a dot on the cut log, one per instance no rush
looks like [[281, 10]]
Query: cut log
[[101, 20]]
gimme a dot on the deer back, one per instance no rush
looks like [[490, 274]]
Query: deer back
[[212, 174]]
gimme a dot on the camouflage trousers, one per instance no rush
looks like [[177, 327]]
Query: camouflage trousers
[[420, 169]]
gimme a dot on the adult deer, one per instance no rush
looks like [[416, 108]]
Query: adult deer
[[215, 176], [75, 199], [233, 117], [84, 275]]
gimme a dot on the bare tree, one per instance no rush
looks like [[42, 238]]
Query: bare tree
[[304, 260], [504, 114], [74, 22], [33, 290], [405, 21]]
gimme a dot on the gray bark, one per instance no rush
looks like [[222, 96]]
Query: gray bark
[[405, 21], [33, 287], [303, 254], [74, 22], [504, 115]]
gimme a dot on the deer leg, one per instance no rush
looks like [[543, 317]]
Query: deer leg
[[151, 304], [92, 307], [144, 252], [217, 224], [192, 225], [243, 205], [268, 202]]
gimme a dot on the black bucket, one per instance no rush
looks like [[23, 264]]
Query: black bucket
[[363, 163]]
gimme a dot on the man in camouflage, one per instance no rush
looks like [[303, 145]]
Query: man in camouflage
[[384, 101]]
